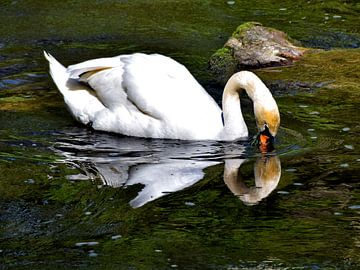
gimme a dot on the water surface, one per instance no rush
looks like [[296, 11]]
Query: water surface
[[72, 197]]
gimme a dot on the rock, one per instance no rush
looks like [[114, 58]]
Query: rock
[[253, 46]]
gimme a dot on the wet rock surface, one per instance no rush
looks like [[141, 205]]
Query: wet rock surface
[[254, 46]]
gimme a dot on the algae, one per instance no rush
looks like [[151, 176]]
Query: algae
[[242, 28], [222, 64]]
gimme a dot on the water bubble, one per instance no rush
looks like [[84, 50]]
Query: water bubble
[[282, 9], [230, 2], [346, 129], [337, 17], [298, 184], [344, 165], [349, 146], [114, 237], [92, 253], [313, 137], [338, 214], [29, 181], [291, 170], [314, 113], [311, 130], [354, 207], [283, 192], [174, 265], [88, 213], [158, 250], [303, 106], [189, 203]]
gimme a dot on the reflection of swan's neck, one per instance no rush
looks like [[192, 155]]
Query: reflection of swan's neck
[[234, 124], [267, 175]]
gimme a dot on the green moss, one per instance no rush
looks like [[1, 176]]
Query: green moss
[[241, 29], [223, 52], [222, 64]]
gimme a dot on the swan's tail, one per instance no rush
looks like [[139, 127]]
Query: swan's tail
[[58, 73], [81, 103]]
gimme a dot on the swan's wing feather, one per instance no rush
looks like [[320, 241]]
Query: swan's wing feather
[[104, 76], [91, 65], [165, 89], [152, 85]]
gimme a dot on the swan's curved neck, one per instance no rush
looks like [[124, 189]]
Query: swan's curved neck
[[234, 124]]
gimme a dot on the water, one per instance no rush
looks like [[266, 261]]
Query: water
[[72, 197]]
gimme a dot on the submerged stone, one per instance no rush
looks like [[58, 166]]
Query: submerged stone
[[253, 46]]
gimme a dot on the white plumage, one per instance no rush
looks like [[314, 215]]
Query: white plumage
[[155, 96]]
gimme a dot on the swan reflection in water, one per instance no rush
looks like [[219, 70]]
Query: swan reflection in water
[[164, 166]]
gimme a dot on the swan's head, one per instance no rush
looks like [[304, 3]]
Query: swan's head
[[265, 107], [268, 122]]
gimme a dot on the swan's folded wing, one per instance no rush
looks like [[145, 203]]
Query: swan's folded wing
[[77, 70], [104, 76], [153, 85], [165, 89]]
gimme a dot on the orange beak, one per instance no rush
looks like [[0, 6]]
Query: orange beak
[[264, 139], [265, 143]]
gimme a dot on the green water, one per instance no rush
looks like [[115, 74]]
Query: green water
[[69, 196]]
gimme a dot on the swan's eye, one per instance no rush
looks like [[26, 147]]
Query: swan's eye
[[266, 126]]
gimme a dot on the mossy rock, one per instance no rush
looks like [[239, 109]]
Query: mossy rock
[[253, 46], [222, 64]]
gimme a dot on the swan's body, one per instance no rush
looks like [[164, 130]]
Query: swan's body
[[154, 96]]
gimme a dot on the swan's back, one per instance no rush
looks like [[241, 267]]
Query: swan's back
[[144, 95], [166, 88]]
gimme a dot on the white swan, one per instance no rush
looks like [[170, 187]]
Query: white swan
[[155, 96]]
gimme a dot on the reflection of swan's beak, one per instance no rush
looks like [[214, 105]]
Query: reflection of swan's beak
[[267, 170]]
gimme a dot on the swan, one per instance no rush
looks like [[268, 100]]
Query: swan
[[153, 96]]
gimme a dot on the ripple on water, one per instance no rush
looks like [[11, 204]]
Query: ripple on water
[[283, 192], [89, 244], [298, 184], [349, 146], [92, 253]]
